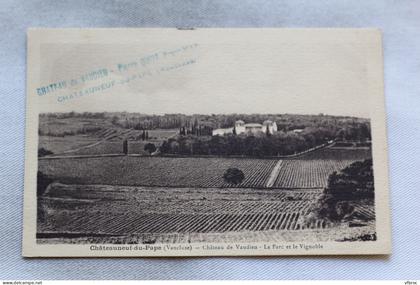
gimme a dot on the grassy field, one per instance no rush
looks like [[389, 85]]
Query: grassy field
[[108, 141], [59, 127], [93, 136]]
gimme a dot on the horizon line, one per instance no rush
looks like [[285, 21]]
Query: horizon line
[[205, 114]]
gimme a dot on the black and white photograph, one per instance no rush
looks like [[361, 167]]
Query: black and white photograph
[[194, 144], [133, 178]]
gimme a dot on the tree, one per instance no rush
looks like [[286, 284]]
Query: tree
[[233, 175], [143, 135], [267, 131], [114, 120], [125, 146], [353, 183], [150, 148], [234, 130], [182, 131]]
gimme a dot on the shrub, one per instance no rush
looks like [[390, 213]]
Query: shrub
[[353, 183], [43, 152], [233, 175], [149, 147]]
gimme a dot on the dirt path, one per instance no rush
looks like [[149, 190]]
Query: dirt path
[[273, 175]]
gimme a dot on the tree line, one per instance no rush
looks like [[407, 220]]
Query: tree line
[[261, 144], [285, 122]]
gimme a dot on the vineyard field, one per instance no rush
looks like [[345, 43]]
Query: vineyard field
[[96, 183], [102, 142], [130, 134], [190, 172], [364, 208], [106, 213], [339, 153], [308, 173], [156, 171], [181, 223], [122, 210]]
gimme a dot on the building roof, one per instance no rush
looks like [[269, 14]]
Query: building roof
[[225, 130], [268, 122], [253, 125], [239, 122]]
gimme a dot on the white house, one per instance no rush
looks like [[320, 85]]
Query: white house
[[222, 132], [250, 128], [272, 126]]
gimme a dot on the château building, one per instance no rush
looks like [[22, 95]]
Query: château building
[[251, 128]]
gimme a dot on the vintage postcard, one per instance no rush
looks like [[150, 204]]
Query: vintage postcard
[[205, 142]]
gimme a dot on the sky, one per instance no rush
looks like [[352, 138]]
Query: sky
[[217, 72]]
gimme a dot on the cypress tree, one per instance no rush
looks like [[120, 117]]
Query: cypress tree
[[125, 146], [267, 131]]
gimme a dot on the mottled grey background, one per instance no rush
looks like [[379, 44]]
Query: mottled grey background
[[400, 23]]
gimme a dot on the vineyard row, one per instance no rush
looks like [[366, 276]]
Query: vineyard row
[[167, 223]]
